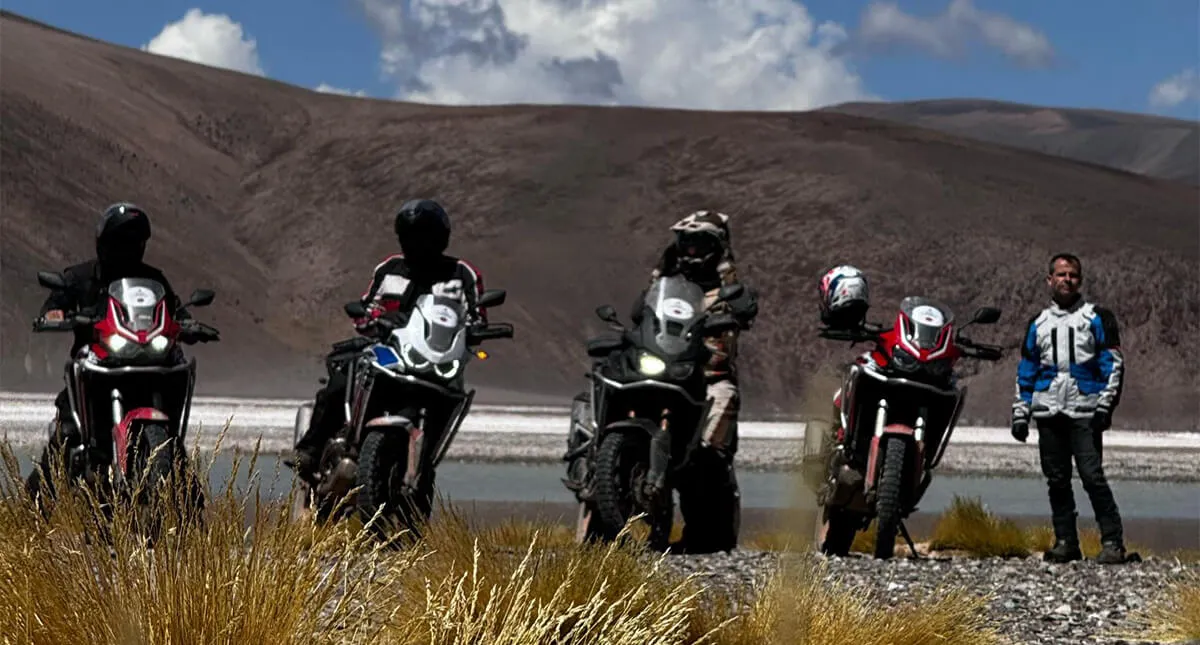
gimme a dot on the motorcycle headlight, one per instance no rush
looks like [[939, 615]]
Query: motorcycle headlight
[[413, 357], [651, 365], [117, 343], [447, 370], [159, 344], [904, 360]]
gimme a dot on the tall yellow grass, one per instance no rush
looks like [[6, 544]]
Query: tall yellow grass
[[252, 573]]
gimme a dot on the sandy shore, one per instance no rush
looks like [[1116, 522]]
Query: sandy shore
[[1015, 460]]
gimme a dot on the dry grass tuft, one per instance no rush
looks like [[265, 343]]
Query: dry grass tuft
[[250, 572], [801, 603], [968, 526], [1174, 616], [77, 578]]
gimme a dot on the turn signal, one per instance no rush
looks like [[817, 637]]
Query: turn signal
[[481, 354]]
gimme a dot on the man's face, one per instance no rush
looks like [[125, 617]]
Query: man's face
[[1064, 279]]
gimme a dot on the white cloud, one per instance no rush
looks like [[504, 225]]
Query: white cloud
[[1184, 86], [702, 54], [326, 88], [885, 24], [208, 39]]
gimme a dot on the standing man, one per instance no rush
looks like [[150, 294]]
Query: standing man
[[1069, 381]]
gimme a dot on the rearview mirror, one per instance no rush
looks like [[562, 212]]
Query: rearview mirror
[[355, 309], [608, 313], [492, 298], [986, 315], [201, 298], [51, 280]]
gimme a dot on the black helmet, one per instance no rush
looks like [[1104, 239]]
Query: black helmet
[[121, 235], [423, 229]]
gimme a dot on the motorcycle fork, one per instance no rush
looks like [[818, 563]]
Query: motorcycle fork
[[660, 453], [416, 446]]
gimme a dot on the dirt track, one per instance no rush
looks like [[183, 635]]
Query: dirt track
[[280, 199]]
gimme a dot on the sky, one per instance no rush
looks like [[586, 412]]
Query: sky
[[701, 54]]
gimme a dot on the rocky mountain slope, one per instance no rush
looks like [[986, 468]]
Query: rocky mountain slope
[[280, 199]]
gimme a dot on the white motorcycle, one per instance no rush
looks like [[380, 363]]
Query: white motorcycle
[[405, 400]]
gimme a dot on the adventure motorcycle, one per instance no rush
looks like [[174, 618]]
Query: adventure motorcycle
[[406, 384], [895, 412], [647, 406], [130, 389]]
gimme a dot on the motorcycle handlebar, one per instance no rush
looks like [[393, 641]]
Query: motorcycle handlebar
[[869, 332], [69, 323], [476, 333], [982, 352], [198, 332], [861, 335]]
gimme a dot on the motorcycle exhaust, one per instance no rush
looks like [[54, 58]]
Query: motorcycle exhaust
[[340, 480]]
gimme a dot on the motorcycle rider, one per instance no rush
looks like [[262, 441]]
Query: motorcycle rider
[[1069, 382], [121, 238], [422, 228], [710, 503]]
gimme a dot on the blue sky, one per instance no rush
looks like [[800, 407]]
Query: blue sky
[[1102, 53]]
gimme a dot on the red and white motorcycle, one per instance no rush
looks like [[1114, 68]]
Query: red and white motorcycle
[[893, 417], [130, 388]]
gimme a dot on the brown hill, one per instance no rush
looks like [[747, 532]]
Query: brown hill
[[280, 199], [1140, 143]]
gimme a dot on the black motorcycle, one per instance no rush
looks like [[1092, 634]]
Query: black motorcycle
[[633, 439]]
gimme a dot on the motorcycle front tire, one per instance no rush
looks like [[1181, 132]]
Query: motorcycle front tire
[[381, 459], [889, 498], [619, 455]]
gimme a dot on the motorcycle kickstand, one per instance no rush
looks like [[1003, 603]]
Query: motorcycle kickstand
[[908, 538]]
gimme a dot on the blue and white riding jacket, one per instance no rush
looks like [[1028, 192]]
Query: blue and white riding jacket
[[1071, 363]]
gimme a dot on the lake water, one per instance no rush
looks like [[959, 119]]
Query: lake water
[[489, 482]]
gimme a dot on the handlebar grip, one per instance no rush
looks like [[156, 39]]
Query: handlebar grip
[[67, 324], [983, 352]]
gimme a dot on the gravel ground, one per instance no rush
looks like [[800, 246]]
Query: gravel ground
[[1033, 602]]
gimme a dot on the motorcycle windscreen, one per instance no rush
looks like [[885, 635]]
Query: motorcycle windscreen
[[677, 304], [928, 319], [138, 297], [444, 318]]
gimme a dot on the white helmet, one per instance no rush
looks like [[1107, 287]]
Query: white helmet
[[844, 297]]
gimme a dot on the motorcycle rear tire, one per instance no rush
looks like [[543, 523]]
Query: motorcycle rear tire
[[888, 502]]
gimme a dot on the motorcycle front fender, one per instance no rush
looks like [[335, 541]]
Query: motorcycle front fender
[[416, 442], [124, 430]]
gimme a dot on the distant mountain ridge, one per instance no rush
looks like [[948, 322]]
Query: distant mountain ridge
[[1144, 144]]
